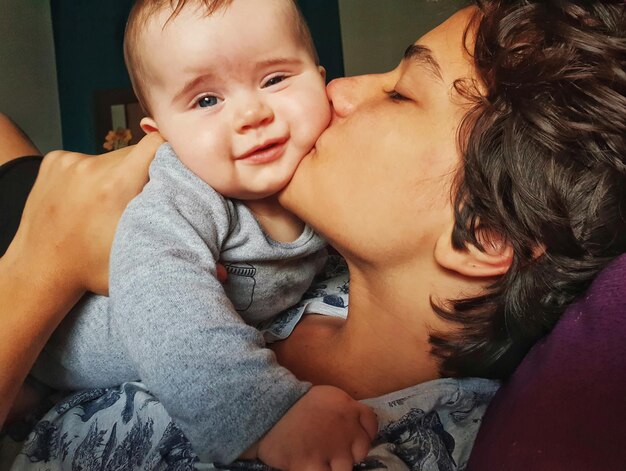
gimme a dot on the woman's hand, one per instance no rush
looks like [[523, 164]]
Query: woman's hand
[[62, 249], [73, 210]]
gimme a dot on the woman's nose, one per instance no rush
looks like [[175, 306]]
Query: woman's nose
[[253, 113], [341, 93], [346, 94]]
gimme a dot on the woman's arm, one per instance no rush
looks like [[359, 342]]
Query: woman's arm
[[61, 249]]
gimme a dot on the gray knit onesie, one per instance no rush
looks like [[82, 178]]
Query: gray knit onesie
[[170, 323]]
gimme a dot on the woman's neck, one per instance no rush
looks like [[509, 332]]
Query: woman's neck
[[382, 347], [390, 319]]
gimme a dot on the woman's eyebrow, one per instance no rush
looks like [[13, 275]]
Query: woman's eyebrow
[[423, 56]]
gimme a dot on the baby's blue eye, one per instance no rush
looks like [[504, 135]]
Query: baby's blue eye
[[207, 101], [274, 81]]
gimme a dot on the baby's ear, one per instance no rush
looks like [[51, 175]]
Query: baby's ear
[[322, 72], [148, 125], [494, 260]]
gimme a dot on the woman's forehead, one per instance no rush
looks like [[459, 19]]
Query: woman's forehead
[[445, 51]]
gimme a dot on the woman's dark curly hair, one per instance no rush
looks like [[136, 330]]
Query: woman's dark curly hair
[[544, 166]]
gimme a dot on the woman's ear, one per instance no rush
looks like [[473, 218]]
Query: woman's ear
[[495, 260], [148, 125]]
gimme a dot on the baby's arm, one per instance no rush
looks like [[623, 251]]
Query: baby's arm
[[325, 430], [208, 368]]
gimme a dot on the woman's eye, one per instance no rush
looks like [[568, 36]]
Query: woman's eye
[[395, 96], [274, 80], [207, 101]]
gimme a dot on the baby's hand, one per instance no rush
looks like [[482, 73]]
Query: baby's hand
[[325, 430]]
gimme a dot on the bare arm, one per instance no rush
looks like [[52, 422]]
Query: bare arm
[[61, 249]]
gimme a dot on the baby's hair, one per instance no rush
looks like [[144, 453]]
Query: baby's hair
[[144, 10]]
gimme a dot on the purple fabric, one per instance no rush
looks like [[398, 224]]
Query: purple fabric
[[565, 405]]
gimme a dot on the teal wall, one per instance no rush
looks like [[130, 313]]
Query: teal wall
[[88, 35], [323, 19]]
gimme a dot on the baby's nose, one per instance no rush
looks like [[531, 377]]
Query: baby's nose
[[253, 113]]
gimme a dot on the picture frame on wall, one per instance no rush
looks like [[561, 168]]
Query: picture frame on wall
[[117, 116]]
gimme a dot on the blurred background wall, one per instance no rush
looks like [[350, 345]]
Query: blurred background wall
[[375, 33], [28, 75]]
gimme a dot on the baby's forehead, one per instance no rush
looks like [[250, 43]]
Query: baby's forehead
[[167, 26], [171, 12]]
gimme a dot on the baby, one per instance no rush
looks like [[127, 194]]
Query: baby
[[235, 89]]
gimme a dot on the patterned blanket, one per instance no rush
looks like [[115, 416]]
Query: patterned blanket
[[431, 426]]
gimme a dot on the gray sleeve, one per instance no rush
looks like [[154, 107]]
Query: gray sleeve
[[210, 370]]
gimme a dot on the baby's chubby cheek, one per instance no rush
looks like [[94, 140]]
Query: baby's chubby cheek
[[319, 122]]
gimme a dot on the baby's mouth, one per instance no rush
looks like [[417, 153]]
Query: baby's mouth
[[266, 152]]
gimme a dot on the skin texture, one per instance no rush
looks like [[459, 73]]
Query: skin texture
[[253, 83], [58, 253], [383, 200]]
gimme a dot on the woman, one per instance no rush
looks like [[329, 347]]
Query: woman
[[537, 188], [474, 196]]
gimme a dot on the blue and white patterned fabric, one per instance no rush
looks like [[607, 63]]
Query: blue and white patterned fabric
[[430, 426]]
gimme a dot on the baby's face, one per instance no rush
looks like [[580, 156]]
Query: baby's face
[[237, 94]]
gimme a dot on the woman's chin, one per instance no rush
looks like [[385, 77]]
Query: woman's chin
[[291, 196], [285, 196], [304, 161], [309, 154]]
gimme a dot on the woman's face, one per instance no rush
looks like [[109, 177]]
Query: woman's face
[[377, 184]]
